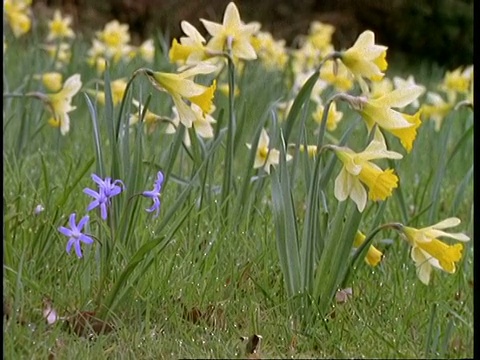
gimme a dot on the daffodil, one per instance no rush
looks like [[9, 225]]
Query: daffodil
[[374, 256], [379, 111], [52, 81], [202, 124], [117, 87], [266, 157], [233, 35], [365, 59], [59, 27], [457, 80], [336, 74], [190, 49], [60, 103], [150, 119], [381, 87], [400, 83], [436, 109], [147, 50], [271, 52], [358, 171], [17, 15], [427, 251], [182, 88], [115, 38], [311, 149], [320, 35], [61, 52], [333, 117]]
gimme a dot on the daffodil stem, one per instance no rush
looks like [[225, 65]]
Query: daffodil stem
[[122, 104], [360, 253], [227, 179]]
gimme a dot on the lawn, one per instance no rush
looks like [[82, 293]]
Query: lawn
[[233, 197]]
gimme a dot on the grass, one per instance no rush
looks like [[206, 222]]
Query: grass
[[192, 282]]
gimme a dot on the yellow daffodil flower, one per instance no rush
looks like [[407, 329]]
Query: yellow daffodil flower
[[427, 251], [271, 52], [374, 256], [457, 80], [336, 74], [202, 124], [151, 119], [52, 81], [59, 27], [400, 83], [381, 87], [333, 118], [311, 149], [60, 103], [358, 171], [436, 109], [117, 87], [190, 49], [147, 50], [379, 111], [365, 59], [266, 157], [61, 52], [320, 35], [181, 88], [114, 41], [233, 35], [17, 14]]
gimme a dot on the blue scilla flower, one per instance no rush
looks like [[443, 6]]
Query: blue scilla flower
[[106, 190], [155, 194], [75, 234]]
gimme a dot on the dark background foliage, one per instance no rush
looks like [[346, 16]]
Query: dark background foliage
[[440, 31]]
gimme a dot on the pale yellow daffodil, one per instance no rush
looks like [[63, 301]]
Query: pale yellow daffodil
[[150, 119], [233, 35], [61, 52], [436, 109], [60, 103], [400, 83], [202, 124], [190, 49], [17, 14], [457, 81], [52, 81], [264, 156], [336, 74], [358, 171], [147, 50], [374, 256], [320, 35], [380, 111], [117, 87], [381, 87], [114, 41], [333, 117], [181, 88], [427, 251], [272, 53], [365, 59], [59, 27]]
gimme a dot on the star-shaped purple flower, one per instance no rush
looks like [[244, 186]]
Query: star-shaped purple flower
[[155, 194], [106, 190], [75, 234]]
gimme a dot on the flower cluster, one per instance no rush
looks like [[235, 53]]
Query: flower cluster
[[102, 199]]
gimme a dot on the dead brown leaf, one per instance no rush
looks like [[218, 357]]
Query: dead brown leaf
[[86, 324]]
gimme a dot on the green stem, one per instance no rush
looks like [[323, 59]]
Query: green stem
[[227, 179]]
